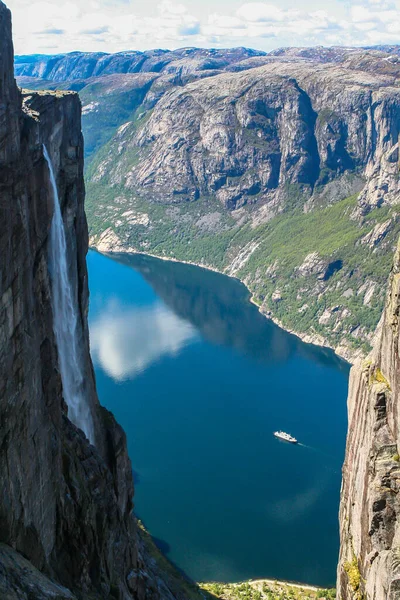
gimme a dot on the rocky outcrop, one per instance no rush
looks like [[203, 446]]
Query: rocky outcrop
[[66, 524], [20, 580], [369, 565]]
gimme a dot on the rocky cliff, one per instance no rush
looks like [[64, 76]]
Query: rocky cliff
[[236, 170], [66, 524], [250, 137], [369, 566], [280, 169]]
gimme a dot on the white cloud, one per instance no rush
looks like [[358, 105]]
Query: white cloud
[[261, 12], [167, 7], [376, 21], [97, 26], [115, 25], [365, 26], [124, 342], [266, 20]]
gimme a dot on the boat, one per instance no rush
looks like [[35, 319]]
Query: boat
[[285, 436]]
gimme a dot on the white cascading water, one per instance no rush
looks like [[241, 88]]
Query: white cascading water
[[65, 318]]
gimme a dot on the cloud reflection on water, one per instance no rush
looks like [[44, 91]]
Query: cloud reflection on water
[[125, 341]]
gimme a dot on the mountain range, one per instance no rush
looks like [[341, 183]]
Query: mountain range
[[281, 169]]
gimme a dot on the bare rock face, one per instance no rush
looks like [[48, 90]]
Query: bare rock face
[[65, 505], [369, 565], [19, 580], [265, 135]]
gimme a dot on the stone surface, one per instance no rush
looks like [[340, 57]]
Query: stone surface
[[369, 565], [19, 580]]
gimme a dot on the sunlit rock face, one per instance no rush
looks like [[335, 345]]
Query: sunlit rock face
[[65, 505], [369, 565], [266, 136]]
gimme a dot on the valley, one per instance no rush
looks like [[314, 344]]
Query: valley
[[279, 169]]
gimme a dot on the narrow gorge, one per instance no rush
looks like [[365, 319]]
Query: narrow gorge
[[177, 173]]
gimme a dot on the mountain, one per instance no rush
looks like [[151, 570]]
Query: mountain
[[82, 65], [112, 86], [282, 170], [279, 169]]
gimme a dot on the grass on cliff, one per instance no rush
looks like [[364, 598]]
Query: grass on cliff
[[291, 236], [330, 231]]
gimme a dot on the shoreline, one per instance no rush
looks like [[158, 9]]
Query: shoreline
[[314, 339], [279, 582], [302, 586], [206, 589]]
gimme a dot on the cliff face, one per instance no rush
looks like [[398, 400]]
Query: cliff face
[[66, 527], [369, 566], [256, 137]]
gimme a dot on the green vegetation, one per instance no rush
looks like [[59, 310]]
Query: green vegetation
[[377, 376], [290, 237], [265, 590], [108, 106], [354, 576], [203, 232]]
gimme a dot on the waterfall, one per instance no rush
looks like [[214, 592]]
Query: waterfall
[[65, 317]]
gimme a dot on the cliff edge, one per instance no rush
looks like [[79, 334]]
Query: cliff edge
[[369, 565], [66, 523]]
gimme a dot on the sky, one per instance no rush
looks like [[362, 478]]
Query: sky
[[116, 25]]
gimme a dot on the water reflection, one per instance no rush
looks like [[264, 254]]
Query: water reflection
[[216, 306], [125, 341], [294, 506]]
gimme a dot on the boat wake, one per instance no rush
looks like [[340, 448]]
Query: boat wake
[[322, 454]]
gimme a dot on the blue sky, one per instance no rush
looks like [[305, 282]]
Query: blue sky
[[116, 25]]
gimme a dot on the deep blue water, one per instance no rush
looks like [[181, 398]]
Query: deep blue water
[[200, 380]]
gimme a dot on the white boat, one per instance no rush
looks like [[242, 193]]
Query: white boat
[[285, 436]]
